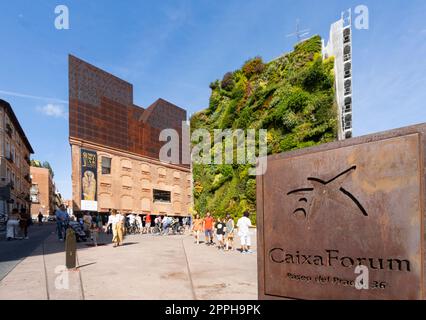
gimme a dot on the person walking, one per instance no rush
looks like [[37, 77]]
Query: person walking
[[99, 220], [229, 232], [61, 222], [157, 222], [244, 225], [185, 222], [40, 218], [197, 228], [12, 225], [148, 223], [139, 223], [94, 233], [208, 228], [166, 224], [87, 223], [220, 232], [108, 224], [116, 220], [25, 222], [189, 222]]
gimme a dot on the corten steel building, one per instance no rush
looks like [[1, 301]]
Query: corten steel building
[[115, 148]]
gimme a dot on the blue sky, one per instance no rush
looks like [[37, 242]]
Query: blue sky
[[174, 49]]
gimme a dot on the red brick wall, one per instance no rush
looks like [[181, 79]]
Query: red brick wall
[[41, 177]]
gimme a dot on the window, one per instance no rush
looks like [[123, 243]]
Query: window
[[7, 149], [106, 165], [162, 196], [34, 193]]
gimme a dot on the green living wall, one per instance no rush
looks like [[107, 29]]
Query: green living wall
[[292, 97]]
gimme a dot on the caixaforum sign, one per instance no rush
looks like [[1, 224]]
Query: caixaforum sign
[[326, 210]]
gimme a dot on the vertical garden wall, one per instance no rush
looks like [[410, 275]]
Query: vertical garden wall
[[292, 97]]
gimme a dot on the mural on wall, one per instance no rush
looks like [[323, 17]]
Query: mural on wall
[[89, 168]]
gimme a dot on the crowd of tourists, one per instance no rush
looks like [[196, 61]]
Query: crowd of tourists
[[224, 231], [220, 231], [119, 224]]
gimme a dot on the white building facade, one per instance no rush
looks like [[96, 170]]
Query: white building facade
[[339, 46]]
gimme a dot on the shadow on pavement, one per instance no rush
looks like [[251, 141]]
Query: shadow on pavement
[[16, 250], [85, 265]]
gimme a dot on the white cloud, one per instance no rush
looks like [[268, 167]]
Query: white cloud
[[23, 95], [53, 110]]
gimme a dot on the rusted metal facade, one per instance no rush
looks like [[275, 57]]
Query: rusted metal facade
[[325, 210], [104, 122]]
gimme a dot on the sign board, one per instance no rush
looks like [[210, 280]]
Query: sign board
[[326, 210], [89, 177], [87, 205]]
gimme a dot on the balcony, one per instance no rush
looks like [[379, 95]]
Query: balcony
[[348, 125], [348, 91]]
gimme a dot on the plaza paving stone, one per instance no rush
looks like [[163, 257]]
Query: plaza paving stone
[[146, 267]]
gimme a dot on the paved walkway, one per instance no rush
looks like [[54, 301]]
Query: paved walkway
[[13, 252], [146, 267]]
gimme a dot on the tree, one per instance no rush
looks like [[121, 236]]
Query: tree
[[47, 166]]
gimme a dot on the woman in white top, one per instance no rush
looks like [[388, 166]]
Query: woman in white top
[[13, 225], [116, 220]]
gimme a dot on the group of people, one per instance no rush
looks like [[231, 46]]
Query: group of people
[[17, 224], [224, 230], [92, 224]]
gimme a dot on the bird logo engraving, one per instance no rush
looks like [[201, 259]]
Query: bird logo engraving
[[321, 189]]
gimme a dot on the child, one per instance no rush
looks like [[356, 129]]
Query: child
[[220, 232], [229, 232], [197, 227], [94, 233]]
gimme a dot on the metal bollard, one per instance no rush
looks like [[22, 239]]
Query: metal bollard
[[70, 249]]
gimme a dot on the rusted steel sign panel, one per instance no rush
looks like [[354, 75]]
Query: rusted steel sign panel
[[324, 211]]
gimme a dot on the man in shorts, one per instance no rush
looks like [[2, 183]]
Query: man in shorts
[[208, 228], [220, 233], [244, 225]]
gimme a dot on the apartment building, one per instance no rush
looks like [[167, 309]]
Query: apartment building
[[15, 151]]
